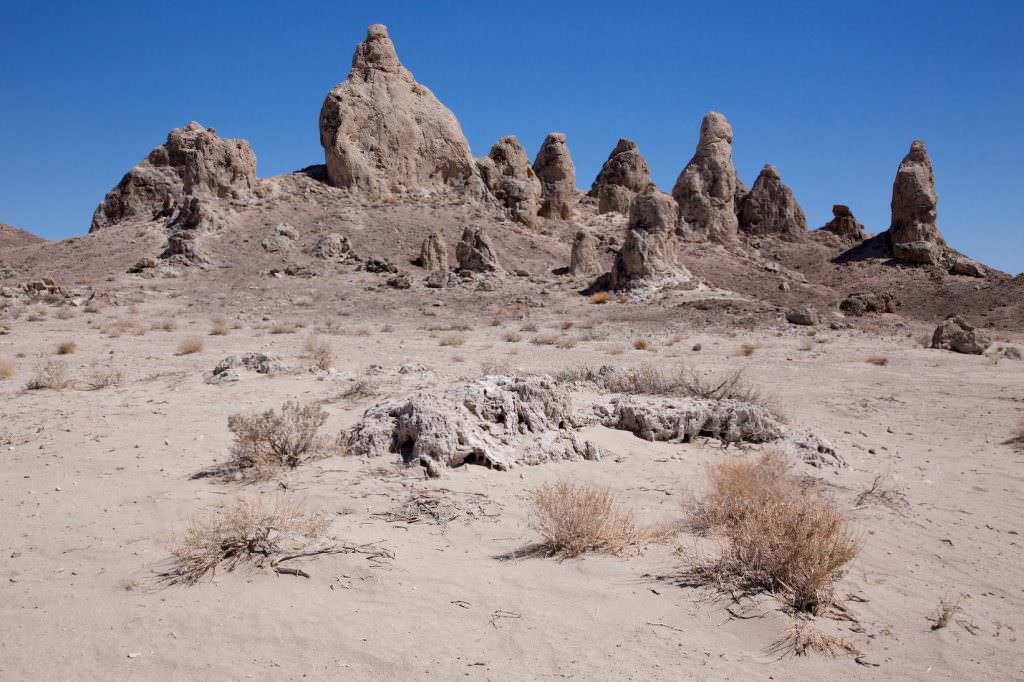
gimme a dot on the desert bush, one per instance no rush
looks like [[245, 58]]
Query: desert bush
[[125, 325], [7, 370], [66, 313], [882, 493], [190, 345], [545, 340], [530, 327], [282, 328], [245, 531], [52, 375], [387, 328], [453, 340], [802, 639], [779, 536], [641, 344], [167, 325], [879, 360], [321, 351], [493, 367], [747, 349], [566, 343], [66, 347], [512, 337], [575, 518], [600, 297], [219, 327], [271, 440], [101, 376]]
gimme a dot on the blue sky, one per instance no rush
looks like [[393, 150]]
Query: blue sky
[[830, 93]]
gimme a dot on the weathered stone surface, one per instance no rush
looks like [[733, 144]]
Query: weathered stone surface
[[956, 334], [624, 175], [803, 315], [382, 132], [194, 163], [844, 225], [497, 421], [914, 235], [584, 260], [967, 267], [333, 246], [507, 173], [730, 421], [859, 304], [255, 362], [650, 246], [771, 208], [553, 167], [706, 188], [475, 253], [434, 253]]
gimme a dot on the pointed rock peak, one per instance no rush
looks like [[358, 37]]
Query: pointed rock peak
[[771, 208], [844, 224], [622, 176], [715, 128], [914, 233], [376, 53], [554, 168], [623, 145], [769, 171], [918, 152]]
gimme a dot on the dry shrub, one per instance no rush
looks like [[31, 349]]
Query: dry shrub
[[387, 328], [879, 360], [52, 375], [321, 351], [883, 493], [271, 440], [600, 297], [512, 337], [806, 344], [190, 345], [566, 325], [495, 367], [641, 344], [531, 327], [246, 531], [101, 376], [803, 639], [947, 608], [747, 349], [566, 343], [219, 327], [1017, 439], [453, 340], [7, 370], [125, 325], [167, 325], [779, 536], [362, 388], [573, 519], [282, 328], [66, 347], [545, 340]]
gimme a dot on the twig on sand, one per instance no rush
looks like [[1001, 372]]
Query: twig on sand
[[665, 625]]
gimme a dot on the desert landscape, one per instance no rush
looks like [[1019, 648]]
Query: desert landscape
[[412, 414]]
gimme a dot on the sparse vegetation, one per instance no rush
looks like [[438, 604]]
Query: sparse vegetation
[[641, 344], [575, 518], [321, 351], [101, 376], [879, 360], [125, 325], [806, 344], [779, 536], [454, 340], [53, 375], [802, 639], [219, 327], [66, 347], [882, 493], [747, 349], [282, 328], [271, 440], [600, 297], [492, 367], [512, 337], [257, 531], [545, 340], [166, 325], [190, 345], [947, 608]]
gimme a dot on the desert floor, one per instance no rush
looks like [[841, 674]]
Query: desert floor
[[96, 485]]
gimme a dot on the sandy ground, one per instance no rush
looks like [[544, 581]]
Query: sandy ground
[[95, 485]]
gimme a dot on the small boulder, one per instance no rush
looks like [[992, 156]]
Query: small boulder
[[584, 260], [844, 225], [475, 253], [804, 315], [333, 247], [434, 253], [956, 334], [968, 267], [859, 304], [554, 168]]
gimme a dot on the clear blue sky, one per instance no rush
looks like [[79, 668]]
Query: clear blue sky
[[830, 93]]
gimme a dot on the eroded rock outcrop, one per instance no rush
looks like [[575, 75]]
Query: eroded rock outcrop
[[858, 304], [496, 421], [771, 208], [553, 167], [624, 175], [914, 234], [336, 247], [195, 164], [706, 188], [844, 225], [957, 334], [649, 250], [507, 173], [475, 252], [434, 253], [584, 260], [382, 132]]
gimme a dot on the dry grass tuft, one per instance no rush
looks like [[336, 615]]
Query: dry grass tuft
[[272, 440], [600, 297], [802, 639], [219, 327], [495, 367], [879, 360], [511, 337], [641, 344], [245, 531], [167, 325], [101, 376], [577, 518], [7, 370], [53, 375], [747, 349], [947, 608], [190, 345], [885, 494], [125, 325], [66, 347], [779, 536], [282, 328], [454, 340], [321, 351]]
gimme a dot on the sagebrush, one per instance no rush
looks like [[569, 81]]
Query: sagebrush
[[271, 440]]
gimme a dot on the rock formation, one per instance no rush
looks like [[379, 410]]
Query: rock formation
[[914, 235], [706, 189], [195, 165], [506, 172], [803, 315], [475, 253], [650, 246], [584, 260], [859, 304], [956, 334], [844, 225], [771, 208], [335, 247], [553, 167], [382, 132], [496, 421], [434, 253], [624, 175]]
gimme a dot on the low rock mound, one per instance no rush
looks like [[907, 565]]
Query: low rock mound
[[730, 421], [496, 421], [958, 335]]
